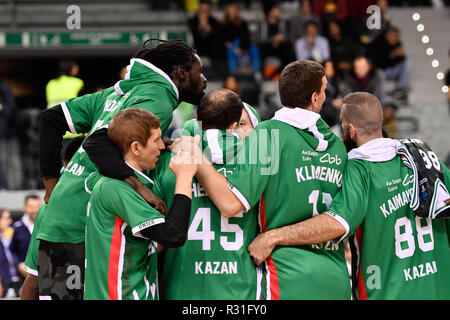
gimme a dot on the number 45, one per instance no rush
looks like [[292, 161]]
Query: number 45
[[203, 216]]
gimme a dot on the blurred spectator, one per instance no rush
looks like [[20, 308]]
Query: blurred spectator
[[342, 48], [205, 30], [232, 84], [208, 41], [7, 267], [7, 106], [22, 232], [233, 26], [389, 120], [276, 50], [312, 46], [365, 77], [65, 86], [297, 22], [244, 64], [26, 127], [330, 111], [243, 58], [388, 53]]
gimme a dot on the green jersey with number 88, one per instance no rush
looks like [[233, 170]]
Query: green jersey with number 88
[[402, 256]]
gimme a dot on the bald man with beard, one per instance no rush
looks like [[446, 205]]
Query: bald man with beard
[[396, 253]]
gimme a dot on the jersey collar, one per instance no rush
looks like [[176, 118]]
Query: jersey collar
[[376, 150], [141, 175]]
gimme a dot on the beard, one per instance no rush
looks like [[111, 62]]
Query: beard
[[348, 141], [192, 94]]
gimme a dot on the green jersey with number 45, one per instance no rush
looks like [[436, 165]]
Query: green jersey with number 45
[[294, 164], [214, 263], [401, 256], [147, 88]]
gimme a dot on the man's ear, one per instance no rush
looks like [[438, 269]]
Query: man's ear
[[353, 131], [233, 126], [135, 148], [314, 99], [179, 74]]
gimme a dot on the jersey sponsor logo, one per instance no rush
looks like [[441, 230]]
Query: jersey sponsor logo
[[392, 184], [408, 179], [216, 267], [326, 158], [74, 168], [224, 172], [396, 202], [306, 155], [319, 173], [420, 271]]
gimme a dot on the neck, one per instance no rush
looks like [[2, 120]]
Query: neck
[[364, 139], [30, 217], [132, 162]]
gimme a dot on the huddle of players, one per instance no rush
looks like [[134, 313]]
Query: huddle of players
[[235, 229]]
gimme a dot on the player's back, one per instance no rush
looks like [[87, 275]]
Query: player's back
[[214, 263], [403, 256]]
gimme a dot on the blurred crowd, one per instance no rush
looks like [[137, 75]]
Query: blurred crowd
[[14, 241], [334, 33], [247, 57]]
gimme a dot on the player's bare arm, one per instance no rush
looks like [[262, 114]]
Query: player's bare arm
[[315, 230]]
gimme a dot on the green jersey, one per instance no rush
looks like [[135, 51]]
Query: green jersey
[[401, 256], [147, 88], [294, 166], [214, 263], [120, 263], [33, 247]]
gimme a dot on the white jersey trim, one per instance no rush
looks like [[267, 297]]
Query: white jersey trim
[[121, 256], [147, 224], [31, 271], [140, 173], [342, 221], [240, 196], [68, 118]]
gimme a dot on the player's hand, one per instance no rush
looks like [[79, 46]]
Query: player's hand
[[261, 247], [183, 163]]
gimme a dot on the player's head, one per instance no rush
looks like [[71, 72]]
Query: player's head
[[249, 120], [137, 133], [302, 84], [31, 206], [68, 67], [71, 148], [362, 118], [5, 220], [220, 109], [180, 62]]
